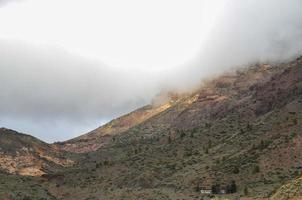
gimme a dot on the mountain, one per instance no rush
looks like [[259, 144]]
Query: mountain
[[25, 155], [238, 133], [100, 136]]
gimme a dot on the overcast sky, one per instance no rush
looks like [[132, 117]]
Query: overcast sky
[[68, 66]]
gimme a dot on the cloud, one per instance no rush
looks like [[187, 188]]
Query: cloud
[[49, 85], [44, 82], [262, 31], [244, 33], [49, 91], [4, 2]]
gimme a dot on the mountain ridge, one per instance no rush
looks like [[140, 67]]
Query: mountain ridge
[[95, 139], [241, 128]]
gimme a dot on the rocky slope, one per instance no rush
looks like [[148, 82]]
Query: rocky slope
[[291, 190], [25, 155], [100, 136], [241, 128]]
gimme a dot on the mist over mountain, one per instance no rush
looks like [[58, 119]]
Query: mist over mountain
[[49, 90], [50, 87], [236, 137], [243, 33], [161, 99]]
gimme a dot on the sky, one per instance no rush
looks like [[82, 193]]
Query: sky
[[69, 66]]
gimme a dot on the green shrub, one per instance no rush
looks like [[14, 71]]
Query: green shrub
[[256, 169], [236, 170], [245, 191]]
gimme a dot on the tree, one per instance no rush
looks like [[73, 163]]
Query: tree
[[236, 170], [98, 165], [169, 139], [208, 125], [295, 121], [197, 188], [245, 191], [231, 187], [256, 169], [182, 134], [210, 144], [216, 188]]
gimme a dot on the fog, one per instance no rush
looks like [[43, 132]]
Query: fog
[[51, 88], [4, 2], [56, 94], [246, 32]]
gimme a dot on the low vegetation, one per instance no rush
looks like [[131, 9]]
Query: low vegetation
[[238, 136]]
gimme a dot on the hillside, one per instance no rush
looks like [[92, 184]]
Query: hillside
[[25, 155], [100, 136], [241, 128]]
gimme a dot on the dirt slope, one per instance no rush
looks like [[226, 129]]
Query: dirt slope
[[25, 155]]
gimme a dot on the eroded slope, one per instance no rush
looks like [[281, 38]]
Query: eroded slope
[[25, 155]]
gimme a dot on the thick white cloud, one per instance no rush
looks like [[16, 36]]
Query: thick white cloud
[[132, 33], [48, 82], [246, 32]]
